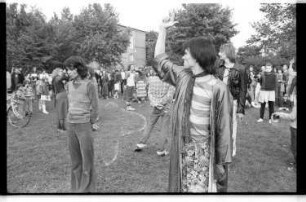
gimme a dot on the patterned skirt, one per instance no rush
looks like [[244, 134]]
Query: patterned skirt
[[195, 166]]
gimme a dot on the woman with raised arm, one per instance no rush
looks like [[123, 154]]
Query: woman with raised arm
[[201, 146]]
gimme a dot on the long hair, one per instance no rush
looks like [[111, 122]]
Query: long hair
[[79, 64], [229, 51], [203, 51]]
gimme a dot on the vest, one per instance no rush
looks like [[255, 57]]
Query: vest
[[79, 103]]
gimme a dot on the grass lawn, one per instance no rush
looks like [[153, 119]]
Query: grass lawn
[[38, 160]]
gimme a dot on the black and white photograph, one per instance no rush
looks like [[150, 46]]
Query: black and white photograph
[[151, 97]]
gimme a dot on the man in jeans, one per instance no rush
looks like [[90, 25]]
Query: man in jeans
[[160, 95], [82, 114]]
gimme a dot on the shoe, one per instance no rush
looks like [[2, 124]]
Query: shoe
[[270, 121], [234, 153], [45, 112], [60, 131], [162, 153], [259, 120], [140, 146], [129, 108], [290, 168]]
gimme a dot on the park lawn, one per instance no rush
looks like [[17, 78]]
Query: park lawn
[[38, 159]]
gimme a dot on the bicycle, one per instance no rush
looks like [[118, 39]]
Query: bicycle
[[17, 115]]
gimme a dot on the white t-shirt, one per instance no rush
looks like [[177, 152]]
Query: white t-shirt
[[131, 79], [123, 75]]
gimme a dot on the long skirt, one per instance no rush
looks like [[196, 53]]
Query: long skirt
[[195, 167]]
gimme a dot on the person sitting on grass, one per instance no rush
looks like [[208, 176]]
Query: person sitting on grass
[[293, 126]]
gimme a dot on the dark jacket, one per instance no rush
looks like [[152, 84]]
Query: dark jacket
[[268, 81], [220, 120], [237, 83], [16, 79]]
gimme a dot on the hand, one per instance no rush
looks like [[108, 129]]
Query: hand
[[94, 127], [168, 22], [292, 60], [240, 116], [159, 106], [220, 171]]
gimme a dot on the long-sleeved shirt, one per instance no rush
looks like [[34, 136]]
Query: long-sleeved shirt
[[83, 102], [160, 93]]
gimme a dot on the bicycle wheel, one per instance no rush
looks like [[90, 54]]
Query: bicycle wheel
[[18, 121]]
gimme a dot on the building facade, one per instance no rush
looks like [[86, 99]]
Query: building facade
[[136, 52]]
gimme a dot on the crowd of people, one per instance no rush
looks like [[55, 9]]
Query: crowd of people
[[200, 104]]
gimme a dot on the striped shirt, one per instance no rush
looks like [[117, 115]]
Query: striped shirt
[[141, 90], [200, 107]]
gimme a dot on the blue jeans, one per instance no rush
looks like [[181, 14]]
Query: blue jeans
[[165, 121], [82, 157]]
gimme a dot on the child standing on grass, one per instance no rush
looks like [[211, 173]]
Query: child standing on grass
[[141, 88], [43, 89]]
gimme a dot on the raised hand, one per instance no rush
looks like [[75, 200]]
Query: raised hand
[[168, 21]]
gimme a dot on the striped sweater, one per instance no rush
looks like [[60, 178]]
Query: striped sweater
[[200, 107]]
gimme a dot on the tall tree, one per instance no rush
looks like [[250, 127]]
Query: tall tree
[[277, 31], [200, 20], [101, 38]]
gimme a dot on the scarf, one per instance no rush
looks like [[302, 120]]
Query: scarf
[[188, 99]]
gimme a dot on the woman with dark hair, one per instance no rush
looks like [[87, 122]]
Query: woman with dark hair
[[201, 146], [82, 114]]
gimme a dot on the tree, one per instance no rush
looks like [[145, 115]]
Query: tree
[[151, 38], [100, 37], [277, 31], [199, 20], [66, 40], [93, 34], [28, 37]]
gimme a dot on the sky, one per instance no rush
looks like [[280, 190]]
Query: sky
[[147, 14]]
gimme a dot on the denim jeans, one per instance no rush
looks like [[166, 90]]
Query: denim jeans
[[165, 121], [82, 157]]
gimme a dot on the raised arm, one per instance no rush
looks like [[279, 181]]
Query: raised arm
[[165, 69]]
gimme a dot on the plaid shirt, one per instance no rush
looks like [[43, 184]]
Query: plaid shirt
[[160, 93]]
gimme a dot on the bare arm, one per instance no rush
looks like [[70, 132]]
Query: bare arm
[[161, 42], [165, 69]]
